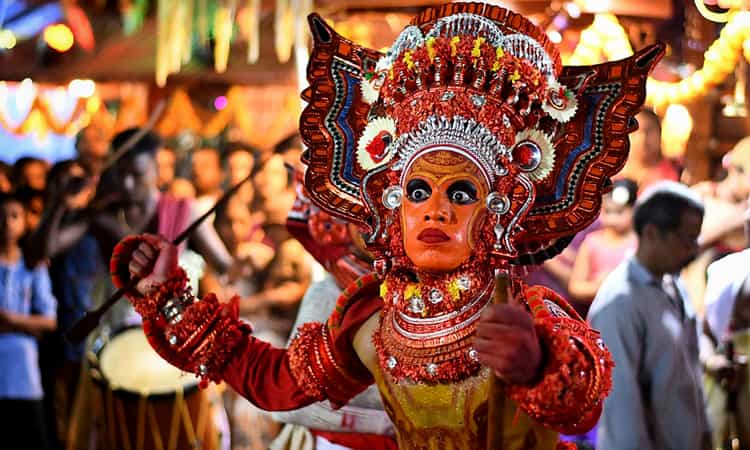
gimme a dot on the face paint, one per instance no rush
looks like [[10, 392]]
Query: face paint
[[443, 204]]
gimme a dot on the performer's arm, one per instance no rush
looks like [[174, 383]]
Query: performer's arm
[[208, 243], [556, 367], [205, 337], [52, 237]]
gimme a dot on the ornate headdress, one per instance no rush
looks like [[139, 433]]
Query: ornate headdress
[[484, 82]]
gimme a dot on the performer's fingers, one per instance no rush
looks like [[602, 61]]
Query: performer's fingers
[[135, 268], [498, 331], [156, 240], [509, 314], [491, 347], [140, 258], [147, 249]]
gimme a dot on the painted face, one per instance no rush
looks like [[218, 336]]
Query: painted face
[[442, 207]]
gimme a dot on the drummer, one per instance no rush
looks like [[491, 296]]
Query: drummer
[[727, 303]]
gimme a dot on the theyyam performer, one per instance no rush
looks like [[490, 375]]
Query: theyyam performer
[[466, 149]]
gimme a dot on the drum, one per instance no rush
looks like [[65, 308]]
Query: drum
[[144, 403]]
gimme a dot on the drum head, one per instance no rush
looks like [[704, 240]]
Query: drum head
[[129, 363]]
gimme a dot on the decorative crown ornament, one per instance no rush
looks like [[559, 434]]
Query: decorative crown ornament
[[487, 83]]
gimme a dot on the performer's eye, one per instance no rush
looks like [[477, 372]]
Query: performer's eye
[[462, 192], [418, 190]]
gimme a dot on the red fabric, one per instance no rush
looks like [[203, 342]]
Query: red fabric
[[263, 374], [174, 217], [358, 441], [578, 370]]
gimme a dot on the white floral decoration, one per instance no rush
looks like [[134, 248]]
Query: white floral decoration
[[547, 162], [370, 133], [370, 93], [561, 108]]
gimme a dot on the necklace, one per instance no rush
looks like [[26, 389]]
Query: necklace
[[426, 326]]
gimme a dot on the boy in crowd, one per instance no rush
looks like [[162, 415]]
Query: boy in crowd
[[27, 309]]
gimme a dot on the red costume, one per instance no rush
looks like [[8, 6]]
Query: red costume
[[467, 148]]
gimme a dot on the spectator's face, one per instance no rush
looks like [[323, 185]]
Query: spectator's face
[[271, 180], [35, 175], [676, 248], [240, 165], [616, 216], [645, 143], [94, 143], [237, 224], [165, 162], [206, 171], [182, 188], [138, 175], [737, 183], [12, 222], [5, 184], [33, 212]]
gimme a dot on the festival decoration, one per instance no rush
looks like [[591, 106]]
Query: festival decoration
[[59, 37], [179, 22], [245, 108], [723, 16], [606, 39]]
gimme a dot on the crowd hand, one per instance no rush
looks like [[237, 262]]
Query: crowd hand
[[729, 374], [152, 261], [79, 192], [240, 268], [506, 342], [258, 254], [6, 321]]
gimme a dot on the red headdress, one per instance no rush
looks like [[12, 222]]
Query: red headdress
[[484, 82]]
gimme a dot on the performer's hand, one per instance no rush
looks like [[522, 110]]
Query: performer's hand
[[506, 342], [152, 261]]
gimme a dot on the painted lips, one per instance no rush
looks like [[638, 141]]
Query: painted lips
[[432, 236]]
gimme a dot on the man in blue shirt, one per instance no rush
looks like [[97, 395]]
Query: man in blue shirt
[[656, 401], [27, 309]]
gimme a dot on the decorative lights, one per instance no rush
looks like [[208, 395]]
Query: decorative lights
[[605, 38], [59, 37]]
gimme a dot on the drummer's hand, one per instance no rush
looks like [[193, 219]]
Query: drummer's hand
[[153, 261], [506, 341]]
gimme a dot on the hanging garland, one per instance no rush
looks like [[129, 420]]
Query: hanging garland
[[180, 115], [41, 119], [606, 37]]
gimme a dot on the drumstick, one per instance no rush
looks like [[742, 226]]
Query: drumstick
[[76, 184], [91, 319], [127, 145], [496, 400]]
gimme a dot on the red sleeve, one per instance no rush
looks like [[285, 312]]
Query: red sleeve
[[261, 373], [206, 337], [577, 374], [320, 363]]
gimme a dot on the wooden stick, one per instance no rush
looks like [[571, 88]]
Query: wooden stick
[[142, 131], [496, 400]]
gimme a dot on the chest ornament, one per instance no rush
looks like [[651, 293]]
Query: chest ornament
[[427, 326]]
